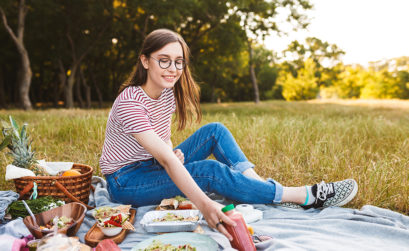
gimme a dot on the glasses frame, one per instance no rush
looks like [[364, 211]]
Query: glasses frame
[[161, 61]]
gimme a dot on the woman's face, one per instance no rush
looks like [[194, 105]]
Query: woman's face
[[163, 78]]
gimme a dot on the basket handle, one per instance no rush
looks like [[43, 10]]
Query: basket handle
[[26, 189], [69, 195]]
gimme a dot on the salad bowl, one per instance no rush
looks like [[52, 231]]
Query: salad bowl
[[74, 210]]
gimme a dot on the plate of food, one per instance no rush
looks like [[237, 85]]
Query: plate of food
[[176, 203], [111, 220], [180, 241], [171, 220], [111, 223]]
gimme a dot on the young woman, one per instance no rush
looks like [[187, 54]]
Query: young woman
[[142, 167]]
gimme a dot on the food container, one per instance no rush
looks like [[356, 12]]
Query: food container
[[250, 214], [95, 235], [150, 225], [110, 231], [105, 214], [32, 245], [61, 242], [73, 210]]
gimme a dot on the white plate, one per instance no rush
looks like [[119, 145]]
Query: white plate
[[200, 241], [170, 226]]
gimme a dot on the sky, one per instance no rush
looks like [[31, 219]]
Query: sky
[[367, 30]]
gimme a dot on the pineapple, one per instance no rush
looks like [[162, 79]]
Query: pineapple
[[19, 145]]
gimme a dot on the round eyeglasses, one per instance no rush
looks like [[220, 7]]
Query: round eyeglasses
[[165, 63]]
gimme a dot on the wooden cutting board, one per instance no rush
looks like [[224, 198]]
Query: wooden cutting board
[[95, 235]]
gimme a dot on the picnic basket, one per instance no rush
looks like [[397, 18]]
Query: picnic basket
[[68, 188]]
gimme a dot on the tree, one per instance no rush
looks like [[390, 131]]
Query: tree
[[403, 83], [381, 85], [267, 73], [25, 73], [220, 64], [82, 33], [259, 19], [302, 87], [325, 56], [351, 81], [215, 39]]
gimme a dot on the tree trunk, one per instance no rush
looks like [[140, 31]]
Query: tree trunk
[[253, 73], [99, 94], [78, 92], [25, 74], [60, 87], [87, 89], [24, 85], [3, 102], [69, 97], [76, 62]]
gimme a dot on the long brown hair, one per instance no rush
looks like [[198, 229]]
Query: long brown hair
[[187, 92]]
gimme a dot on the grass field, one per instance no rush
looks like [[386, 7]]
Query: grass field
[[295, 143]]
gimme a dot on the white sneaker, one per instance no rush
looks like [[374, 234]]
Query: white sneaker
[[333, 194]]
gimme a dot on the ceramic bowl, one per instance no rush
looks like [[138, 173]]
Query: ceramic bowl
[[110, 231]]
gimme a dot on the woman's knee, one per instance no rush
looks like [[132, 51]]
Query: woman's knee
[[216, 127], [206, 168]]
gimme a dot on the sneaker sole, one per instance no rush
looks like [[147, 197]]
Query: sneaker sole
[[350, 196], [290, 205]]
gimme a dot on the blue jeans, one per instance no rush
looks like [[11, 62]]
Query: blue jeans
[[147, 183]]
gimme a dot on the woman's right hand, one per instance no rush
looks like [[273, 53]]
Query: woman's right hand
[[180, 155], [212, 212]]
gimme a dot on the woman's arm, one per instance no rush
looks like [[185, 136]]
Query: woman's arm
[[178, 152], [169, 142], [161, 151]]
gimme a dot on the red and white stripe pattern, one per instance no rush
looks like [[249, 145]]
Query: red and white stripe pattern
[[134, 112]]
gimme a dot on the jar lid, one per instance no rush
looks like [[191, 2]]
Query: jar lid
[[228, 208]]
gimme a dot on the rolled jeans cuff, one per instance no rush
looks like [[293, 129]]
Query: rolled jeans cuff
[[243, 166], [278, 197]]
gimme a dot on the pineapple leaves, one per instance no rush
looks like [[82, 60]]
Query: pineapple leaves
[[15, 127], [19, 145], [6, 142], [23, 132], [4, 125]]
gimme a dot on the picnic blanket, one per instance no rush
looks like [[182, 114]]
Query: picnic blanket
[[334, 228]]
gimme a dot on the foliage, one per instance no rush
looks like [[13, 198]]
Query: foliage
[[351, 81], [41, 204], [89, 48], [403, 84], [321, 52], [302, 87], [380, 85]]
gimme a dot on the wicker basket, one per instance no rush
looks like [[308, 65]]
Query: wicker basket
[[68, 188]]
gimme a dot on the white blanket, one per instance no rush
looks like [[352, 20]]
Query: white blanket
[[369, 228]]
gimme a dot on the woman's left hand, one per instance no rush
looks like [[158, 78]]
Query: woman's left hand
[[180, 155], [215, 218]]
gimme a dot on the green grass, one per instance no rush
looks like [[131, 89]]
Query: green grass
[[295, 143]]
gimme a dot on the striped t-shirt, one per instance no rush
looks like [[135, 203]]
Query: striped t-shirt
[[134, 112]]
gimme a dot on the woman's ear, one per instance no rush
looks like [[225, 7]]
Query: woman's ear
[[144, 61]]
